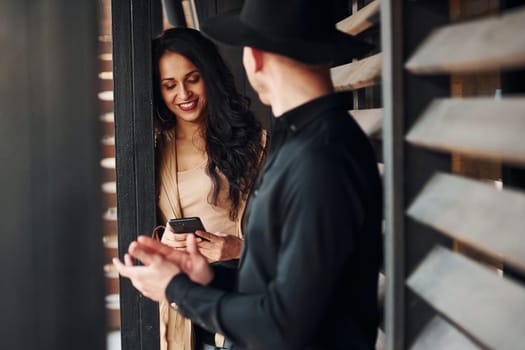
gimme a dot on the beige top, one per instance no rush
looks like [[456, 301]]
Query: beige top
[[194, 190]]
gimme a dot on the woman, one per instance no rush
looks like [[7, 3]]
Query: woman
[[209, 147]]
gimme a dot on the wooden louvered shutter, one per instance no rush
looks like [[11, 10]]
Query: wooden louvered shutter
[[455, 237]]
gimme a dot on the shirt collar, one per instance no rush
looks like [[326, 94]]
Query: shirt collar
[[296, 119]]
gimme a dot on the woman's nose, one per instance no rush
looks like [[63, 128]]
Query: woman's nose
[[184, 93]]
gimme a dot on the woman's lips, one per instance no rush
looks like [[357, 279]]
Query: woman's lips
[[188, 106]]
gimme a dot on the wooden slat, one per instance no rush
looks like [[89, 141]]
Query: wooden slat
[[490, 43], [361, 20], [487, 308], [370, 120], [438, 334], [358, 74], [479, 127], [477, 214]]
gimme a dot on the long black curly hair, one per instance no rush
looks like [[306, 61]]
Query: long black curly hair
[[232, 133]]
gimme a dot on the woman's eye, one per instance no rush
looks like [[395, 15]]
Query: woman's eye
[[194, 79], [169, 87]]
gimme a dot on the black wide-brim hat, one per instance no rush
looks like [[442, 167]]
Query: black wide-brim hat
[[303, 30]]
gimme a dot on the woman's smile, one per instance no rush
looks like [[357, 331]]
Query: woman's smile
[[188, 106]]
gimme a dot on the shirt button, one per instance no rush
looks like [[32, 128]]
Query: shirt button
[[293, 128], [255, 193]]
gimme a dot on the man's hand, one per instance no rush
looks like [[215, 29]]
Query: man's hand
[[219, 246], [161, 264], [153, 277], [191, 261]]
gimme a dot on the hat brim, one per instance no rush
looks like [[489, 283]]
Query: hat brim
[[336, 49]]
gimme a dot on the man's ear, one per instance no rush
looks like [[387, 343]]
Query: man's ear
[[255, 58], [258, 58]]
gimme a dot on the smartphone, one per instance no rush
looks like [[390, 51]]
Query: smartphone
[[186, 225]]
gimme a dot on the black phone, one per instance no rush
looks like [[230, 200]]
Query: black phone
[[186, 225]]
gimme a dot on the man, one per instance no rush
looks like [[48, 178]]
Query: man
[[307, 277]]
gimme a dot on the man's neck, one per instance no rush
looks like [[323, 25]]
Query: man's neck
[[291, 91]]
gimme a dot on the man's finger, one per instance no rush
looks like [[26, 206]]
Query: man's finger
[[154, 245], [141, 254], [177, 256], [127, 260], [118, 264], [122, 268]]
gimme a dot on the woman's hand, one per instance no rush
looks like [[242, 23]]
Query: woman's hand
[[219, 246], [215, 246], [176, 240]]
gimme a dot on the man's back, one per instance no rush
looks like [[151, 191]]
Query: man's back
[[313, 240]]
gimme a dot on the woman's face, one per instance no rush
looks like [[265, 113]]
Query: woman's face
[[182, 87]]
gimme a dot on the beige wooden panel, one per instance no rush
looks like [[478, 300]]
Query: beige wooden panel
[[478, 127], [488, 308], [475, 213], [490, 43], [438, 334], [370, 120], [361, 20], [358, 74]]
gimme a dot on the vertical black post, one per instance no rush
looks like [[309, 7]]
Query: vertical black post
[[393, 158], [133, 25], [52, 294]]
